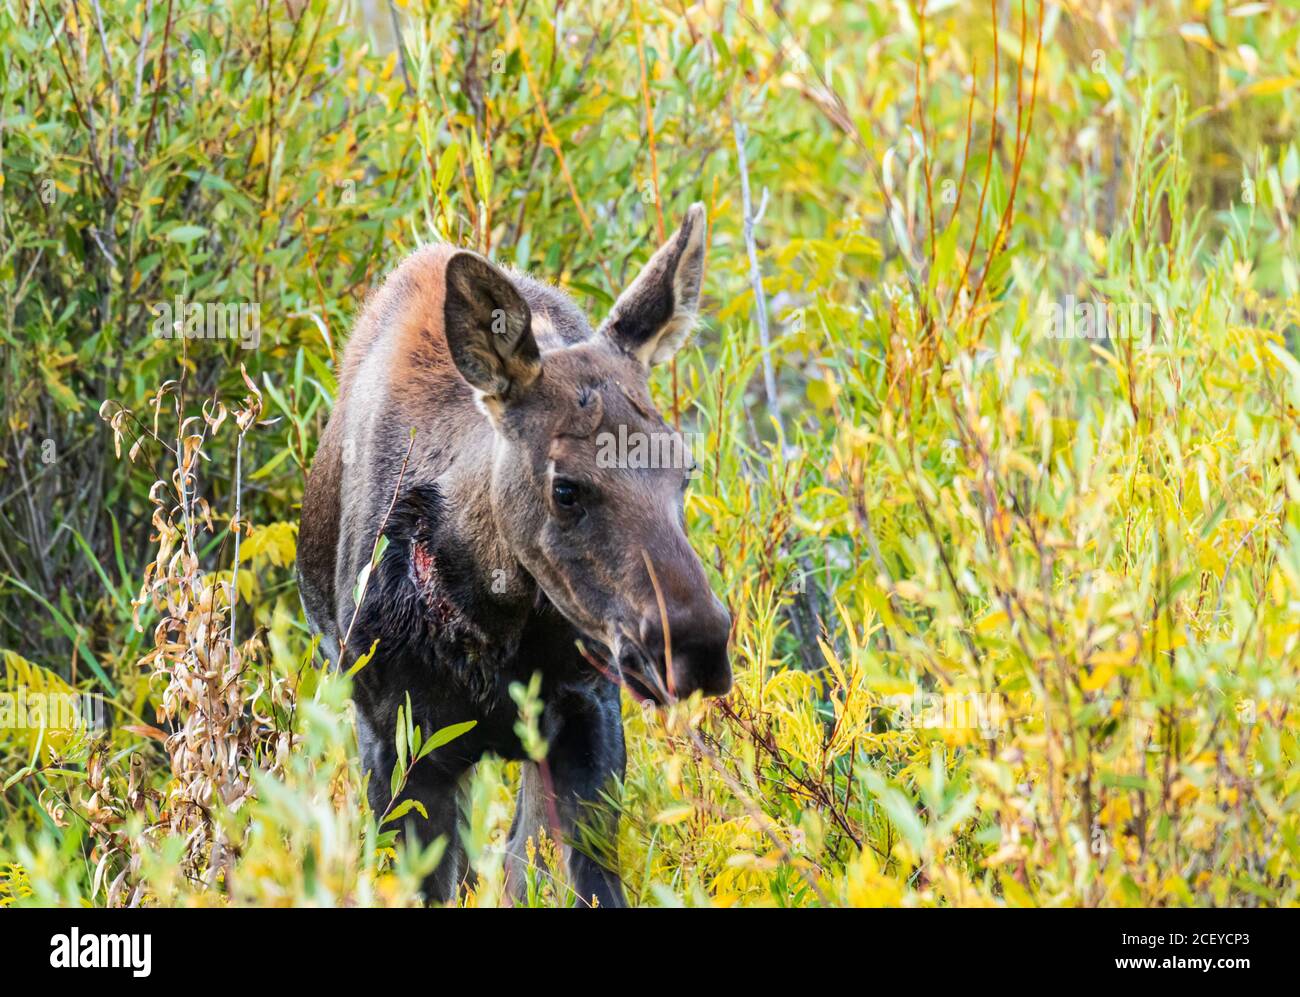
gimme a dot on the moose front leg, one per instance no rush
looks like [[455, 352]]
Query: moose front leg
[[585, 761]]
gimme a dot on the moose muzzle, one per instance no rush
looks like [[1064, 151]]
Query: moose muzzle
[[687, 647]]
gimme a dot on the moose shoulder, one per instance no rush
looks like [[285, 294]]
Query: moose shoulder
[[472, 406]]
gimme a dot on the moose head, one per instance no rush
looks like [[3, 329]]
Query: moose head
[[588, 480]]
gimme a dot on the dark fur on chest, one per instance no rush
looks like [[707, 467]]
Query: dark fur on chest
[[450, 642], [427, 607]]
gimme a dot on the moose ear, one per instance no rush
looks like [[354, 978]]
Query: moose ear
[[489, 329], [656, 313]]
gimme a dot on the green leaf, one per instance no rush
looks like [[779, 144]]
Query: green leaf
[[381, 545], [900, 810], [396, 778], [270, 465], [447, 734], [186, 233], [404, 808], [446, 167], [363, 659], [401, 733]]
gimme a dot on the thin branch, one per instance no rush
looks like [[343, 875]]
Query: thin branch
[[988, 171], [920, 120], [553, 141], [649, 123], [755, 274], [383, 525]]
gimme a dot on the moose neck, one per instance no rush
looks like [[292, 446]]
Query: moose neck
[[471, 529]]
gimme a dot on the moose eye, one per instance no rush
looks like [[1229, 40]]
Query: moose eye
[[565, 493]]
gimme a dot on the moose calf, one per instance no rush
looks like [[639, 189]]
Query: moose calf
[[511, 548]]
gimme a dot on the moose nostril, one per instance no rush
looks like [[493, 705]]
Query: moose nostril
[[696, 641], [702, 664], [704, 628]]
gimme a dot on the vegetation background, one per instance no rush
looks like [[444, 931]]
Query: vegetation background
[[1016, 616]]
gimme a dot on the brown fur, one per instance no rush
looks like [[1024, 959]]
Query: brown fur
[[473, 405]]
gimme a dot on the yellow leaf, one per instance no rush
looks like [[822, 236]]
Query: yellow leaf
[[1197, 34], [1098, 677], [1273, 85], [1096, 245], [674, 815], [1110, 659], [909, 590]]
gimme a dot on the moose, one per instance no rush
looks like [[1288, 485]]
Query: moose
[[471, 404]]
